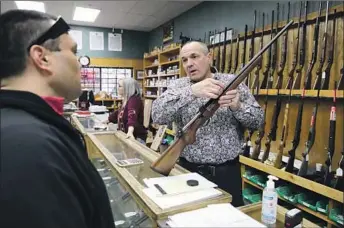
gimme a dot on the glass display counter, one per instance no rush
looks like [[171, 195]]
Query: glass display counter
[[131, 206]]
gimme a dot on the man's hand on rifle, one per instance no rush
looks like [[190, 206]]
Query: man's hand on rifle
[[230, 99], [208, 88]]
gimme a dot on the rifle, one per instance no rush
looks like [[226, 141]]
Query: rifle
[[284, 136], [308, 78], [230, 55], [223, 59], [318, 79], [251, 52], [296, 52], [274, 125], [218, 52], [325, 79], [310, 141], [339, 184], [187, 135], [255, 83], [296, 140], [283, 56], [297, 79], [268, 64], [331, 140], [236, 63], [213, 43], [274, 55], [243, 55], [341, 80]]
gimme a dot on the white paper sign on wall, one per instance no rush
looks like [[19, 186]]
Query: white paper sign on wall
[[96, 41], [115, 41]]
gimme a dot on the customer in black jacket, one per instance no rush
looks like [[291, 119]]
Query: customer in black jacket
[[46, 178]]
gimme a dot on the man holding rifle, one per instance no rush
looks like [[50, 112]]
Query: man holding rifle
[[218, 143]]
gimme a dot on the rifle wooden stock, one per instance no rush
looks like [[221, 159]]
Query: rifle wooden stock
[[165, 163], [236, 57], [278, 160]]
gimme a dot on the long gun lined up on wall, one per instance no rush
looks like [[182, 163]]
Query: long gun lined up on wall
[[313, 23], [341, 80], [318, 73], [223, 58], [312, 51], [331, 141]]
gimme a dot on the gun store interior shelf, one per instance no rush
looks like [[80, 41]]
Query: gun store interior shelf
[[303, 208], [294, 179], [298, 92]]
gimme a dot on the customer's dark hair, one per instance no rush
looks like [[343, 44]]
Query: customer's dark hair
[[18, 29]]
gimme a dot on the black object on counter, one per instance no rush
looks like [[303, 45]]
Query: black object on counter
[[293, 218]]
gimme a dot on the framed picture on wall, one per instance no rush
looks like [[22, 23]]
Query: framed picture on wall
[[139, 74], [168, 32]]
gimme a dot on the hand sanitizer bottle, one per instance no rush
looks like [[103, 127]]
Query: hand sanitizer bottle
[[269, 203]]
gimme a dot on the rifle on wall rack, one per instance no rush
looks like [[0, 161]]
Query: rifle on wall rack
[[283, 55], [236, 57], [251, 51], [341, 79], [308, 78], [296, 54], [318, 73], [310, 141], [264, 82], [223, 59], [243, 54], [261, 130], [297, 79], [218, 64], [325, 79], [339, 183], [284, 136], [213, 43], [296, 140], [274, 54], [331, 141], [255, 83], [165, 163], [230, 53]]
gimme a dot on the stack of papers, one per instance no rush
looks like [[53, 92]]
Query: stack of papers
[[172, 191], [215, 215]]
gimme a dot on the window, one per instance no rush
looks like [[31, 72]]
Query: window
[[104, 78]]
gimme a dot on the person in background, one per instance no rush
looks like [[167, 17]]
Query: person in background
[[46, 177], [129, 117], [86, 99], [215, 154]]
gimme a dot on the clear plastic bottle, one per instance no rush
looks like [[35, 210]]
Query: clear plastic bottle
[[269, 203]]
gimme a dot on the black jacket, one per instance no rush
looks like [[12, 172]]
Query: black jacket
[[46, 178]]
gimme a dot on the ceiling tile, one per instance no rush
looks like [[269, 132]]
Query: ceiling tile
[[147, 7], [134, 15]]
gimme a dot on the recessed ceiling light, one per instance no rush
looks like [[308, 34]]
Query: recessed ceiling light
[[31, 5], [85, 14]]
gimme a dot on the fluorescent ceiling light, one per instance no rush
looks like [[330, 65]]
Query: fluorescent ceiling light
[[85, 14], [30, 5]]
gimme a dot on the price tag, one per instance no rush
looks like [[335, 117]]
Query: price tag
[[323, 75], [339, 172], [307, 157]]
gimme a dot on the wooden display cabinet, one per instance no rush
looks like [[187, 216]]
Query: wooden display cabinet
[[108, 146]]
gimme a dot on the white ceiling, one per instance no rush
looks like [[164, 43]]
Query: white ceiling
[[131, 15]]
